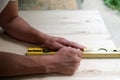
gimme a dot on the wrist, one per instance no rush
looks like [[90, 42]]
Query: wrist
[[49, 62], [40, 37], [45, 63]]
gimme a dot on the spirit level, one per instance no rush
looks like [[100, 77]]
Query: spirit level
[[101, 53], [39, 51], [88, 52]]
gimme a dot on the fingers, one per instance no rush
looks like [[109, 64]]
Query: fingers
[[69, 43], [77, 52], [55, 46], [80, 53], [73, 51], [69, 58], [52, 44], [56, 43]]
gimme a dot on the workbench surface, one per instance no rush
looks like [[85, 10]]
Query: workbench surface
[[84, 27]]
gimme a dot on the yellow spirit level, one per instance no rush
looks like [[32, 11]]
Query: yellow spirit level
[[39, 51], [88, 52]]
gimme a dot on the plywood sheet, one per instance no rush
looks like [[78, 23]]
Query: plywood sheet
[[84, 27]]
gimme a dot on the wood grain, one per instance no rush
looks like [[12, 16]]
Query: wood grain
[[84, 27]]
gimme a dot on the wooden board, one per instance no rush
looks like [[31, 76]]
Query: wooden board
[[84, 27]]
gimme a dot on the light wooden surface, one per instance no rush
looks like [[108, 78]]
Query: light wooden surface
[[84, 27]]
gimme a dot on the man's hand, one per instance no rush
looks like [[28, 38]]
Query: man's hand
[[68, 60], [55, 43], [65, 61]]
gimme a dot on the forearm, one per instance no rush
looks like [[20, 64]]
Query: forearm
[[16, 26], [16, 65], [20, 29]]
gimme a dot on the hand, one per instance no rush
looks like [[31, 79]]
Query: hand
[[67, 60], [56, 43]]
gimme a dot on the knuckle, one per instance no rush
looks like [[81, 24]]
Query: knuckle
[[76, 60], [72, 51]]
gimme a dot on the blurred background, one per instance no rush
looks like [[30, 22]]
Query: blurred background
[[109, 10]]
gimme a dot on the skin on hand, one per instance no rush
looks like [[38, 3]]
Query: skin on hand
[[55, 43], [65, 61], [68, 60]]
